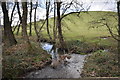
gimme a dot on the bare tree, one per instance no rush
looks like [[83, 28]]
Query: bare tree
[[118, 9], [60, 35], [12, 14], [47, 18], [54, 27], [20, 17], [65, 7], [24, 19], [35, 26], [30, 33], [24, 23], [14, 28], [8, 34]]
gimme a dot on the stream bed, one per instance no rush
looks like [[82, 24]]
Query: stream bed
[[72, 70]]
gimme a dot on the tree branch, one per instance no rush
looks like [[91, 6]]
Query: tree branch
[[111, 32], [12, 14], [67, 7], [68, 14]]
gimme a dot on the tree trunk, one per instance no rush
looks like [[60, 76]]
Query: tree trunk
[[18, 8], [54, 27], [20, 18], [24, 24], [60, 35], [47, 14], [12, 14], [30, 33], [14, 28], [119, 55], [35, 26], [24, 19], [18, 29], [118, 8], [8, 34]]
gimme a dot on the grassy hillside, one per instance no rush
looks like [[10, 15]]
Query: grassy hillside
[[81, 28], [77, 27]]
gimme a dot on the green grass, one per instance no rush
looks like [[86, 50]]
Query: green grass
[[75, 27], [80, 28], [101, 64], [20, 59]]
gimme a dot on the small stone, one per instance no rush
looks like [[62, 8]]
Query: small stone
[[36, 73]]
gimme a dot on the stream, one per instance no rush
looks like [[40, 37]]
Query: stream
[[72, 70]]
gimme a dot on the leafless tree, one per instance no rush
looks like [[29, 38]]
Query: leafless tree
[[35, 26], [30, 33], [20, 17], [47, 18], [24, 23], [118, 10], [54, 27], [8, 34]]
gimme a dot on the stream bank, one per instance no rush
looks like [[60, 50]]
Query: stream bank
[[72, 69]]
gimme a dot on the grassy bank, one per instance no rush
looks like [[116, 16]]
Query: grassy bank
[[101, 64], [20, 59]]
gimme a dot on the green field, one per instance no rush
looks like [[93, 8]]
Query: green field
[[80, 28], [75, 27]]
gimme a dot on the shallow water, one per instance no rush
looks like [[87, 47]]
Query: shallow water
[[72, 69], [46, 46]]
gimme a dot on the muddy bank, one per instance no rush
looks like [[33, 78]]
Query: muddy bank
[[71, 70]]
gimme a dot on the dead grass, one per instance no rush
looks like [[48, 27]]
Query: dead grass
[[101, 64], [19, 59]]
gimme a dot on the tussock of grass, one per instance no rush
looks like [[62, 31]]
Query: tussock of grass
[[19, 59], [101, 64]]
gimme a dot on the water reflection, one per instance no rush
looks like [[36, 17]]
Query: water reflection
[[46, 46], [50, 49]]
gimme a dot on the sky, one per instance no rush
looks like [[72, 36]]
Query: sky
[[93, 5]]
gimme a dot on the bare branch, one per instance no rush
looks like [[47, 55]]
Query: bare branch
[[12, 14], [20, 17], [67, 6], [42, 25], [111, 32], [68, 14]]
